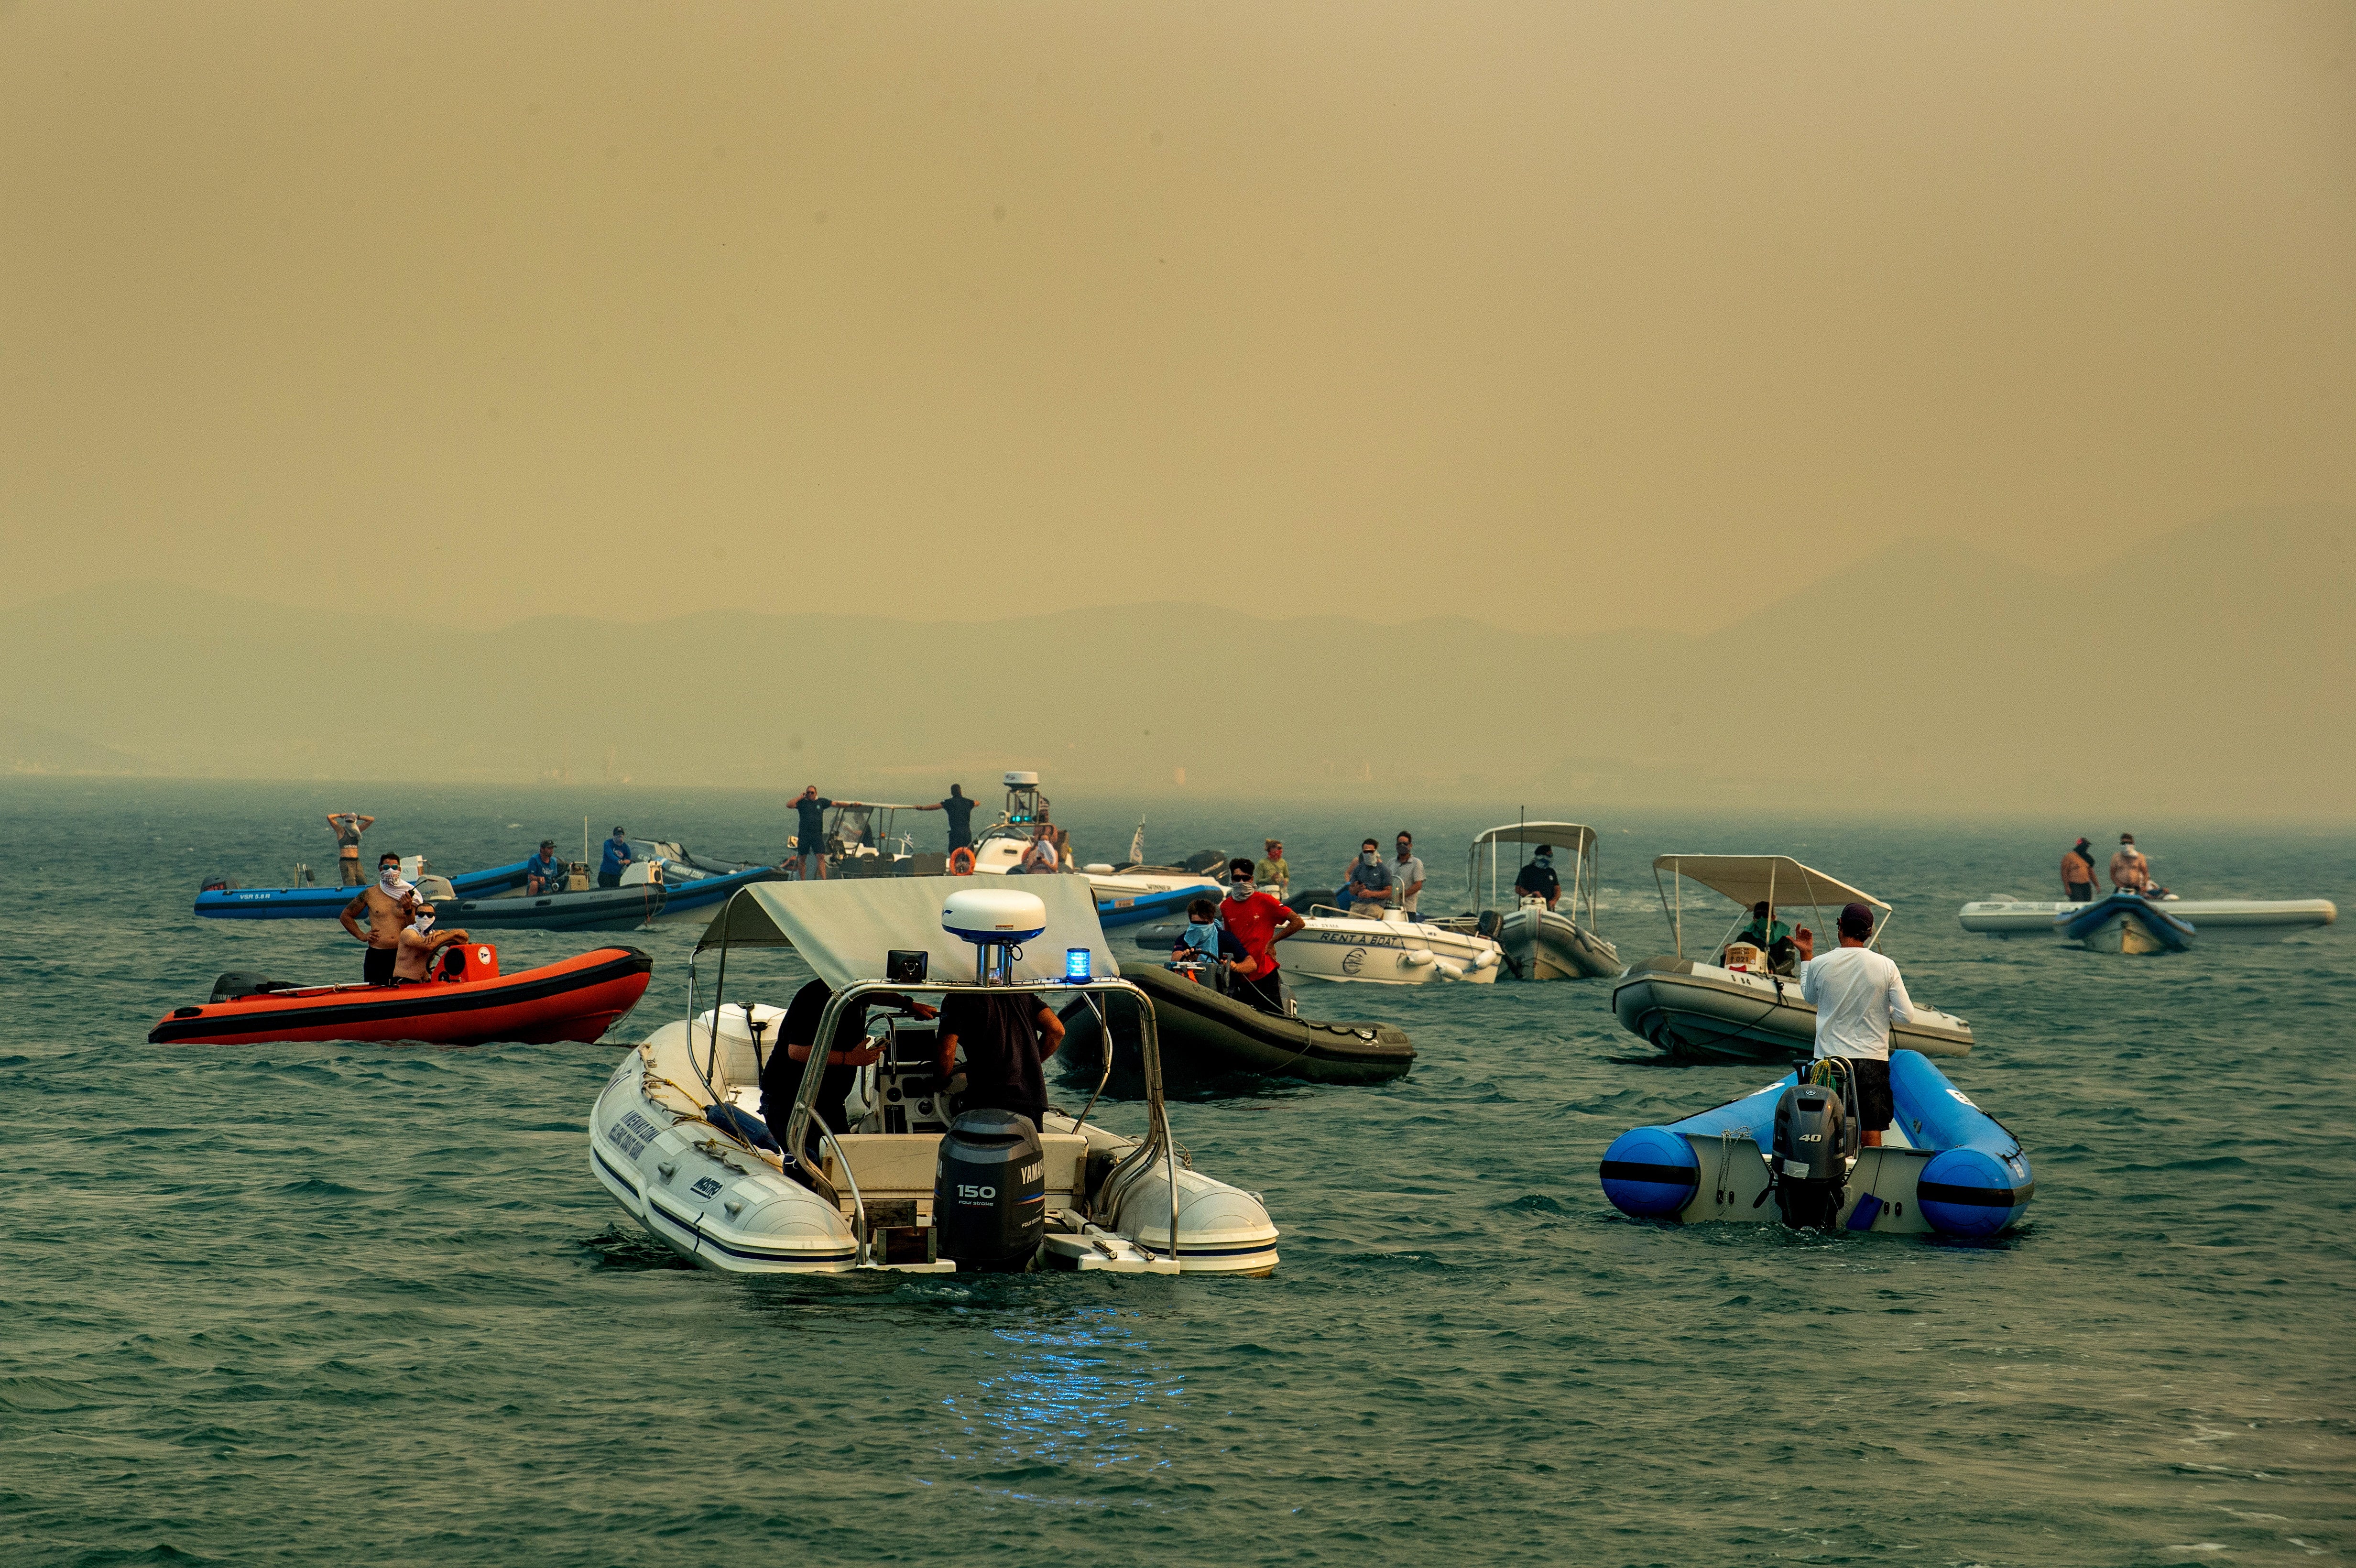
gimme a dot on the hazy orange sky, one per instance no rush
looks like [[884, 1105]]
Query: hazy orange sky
[[499, 309]]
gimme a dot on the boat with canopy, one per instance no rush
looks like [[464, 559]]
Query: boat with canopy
[[676, 1136], [1543, 940], [1741, 1002]]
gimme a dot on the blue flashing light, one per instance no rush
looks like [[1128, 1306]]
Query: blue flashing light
[[1075, 964]]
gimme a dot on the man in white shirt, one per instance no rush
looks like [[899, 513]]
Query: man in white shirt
[[1407, 876], [1857, 995]]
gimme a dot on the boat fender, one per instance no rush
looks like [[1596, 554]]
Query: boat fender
[[1416, 958], [1650, 1173], [1447, 971], [741, 1125], [1970, 1192], [1488, 960]]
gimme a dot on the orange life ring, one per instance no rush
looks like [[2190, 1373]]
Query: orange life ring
[[961, 861]]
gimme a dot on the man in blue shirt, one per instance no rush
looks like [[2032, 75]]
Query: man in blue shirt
[[618, 855], [544, 873], [810, 847], [1370, 882], [960, 805]]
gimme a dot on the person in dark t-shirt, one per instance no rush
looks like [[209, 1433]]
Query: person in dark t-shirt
[[781, 1075], [1537, 879], [960, 805], [809, 834], [1006, 1038]]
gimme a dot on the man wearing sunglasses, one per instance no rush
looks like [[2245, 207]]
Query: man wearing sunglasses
[[1259, 922]]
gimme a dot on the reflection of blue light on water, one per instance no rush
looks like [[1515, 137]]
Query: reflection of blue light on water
[[1082, 1391]]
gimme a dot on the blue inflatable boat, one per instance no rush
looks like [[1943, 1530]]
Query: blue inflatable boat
[[2126, 922], [1943, 1166], [221, 902]]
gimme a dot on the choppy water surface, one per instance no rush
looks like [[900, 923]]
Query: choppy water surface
[[365, 1304]]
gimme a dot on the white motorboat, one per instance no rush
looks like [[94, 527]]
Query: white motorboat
[[1542, 941], [1125, 895], [1740, 1006], [676, 1138], [2213, 919], [1393, 951]]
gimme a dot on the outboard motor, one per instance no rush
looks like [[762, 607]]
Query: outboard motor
[[990, 1192], [1489, 924], [238, 984], [1815, 1143]]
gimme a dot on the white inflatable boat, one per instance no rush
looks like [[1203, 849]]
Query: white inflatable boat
[[1392, 951], [2214, 920], [675, 1137]]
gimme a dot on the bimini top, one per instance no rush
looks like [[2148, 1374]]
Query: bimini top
[[1571, 834], [1776, 879], [843, 929]]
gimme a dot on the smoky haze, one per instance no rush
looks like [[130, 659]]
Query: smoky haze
[[1640, 365]]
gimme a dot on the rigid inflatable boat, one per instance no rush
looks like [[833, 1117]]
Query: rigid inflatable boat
[[2126, 922], [675, 1137], [1543, 943], [646, 895], [1944, 1165], [1741, 1008], [1207, 1034], [218, 901], [2214, 920], [467, 1002], [1125, 895]]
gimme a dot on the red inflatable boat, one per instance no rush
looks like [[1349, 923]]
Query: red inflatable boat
[[468, 1001]]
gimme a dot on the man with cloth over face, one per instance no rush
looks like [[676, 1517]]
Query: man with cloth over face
[[1258, 921], [1857, 995], [390, 906]]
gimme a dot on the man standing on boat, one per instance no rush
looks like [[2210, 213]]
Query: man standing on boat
[[2078, 873], [960, 805], [1272, 872], [1006, 1038], [618, 854], [1857, 994], [348, 826], [809, 834], [1406, 875], [1259, 922], [1537, 879], [2130, 871], [389, 904]]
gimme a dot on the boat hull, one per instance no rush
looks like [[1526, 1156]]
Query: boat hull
[[1387, 953], [2216, 920], [1544, 945], [630, 908], [2126, 922], [1206, 1035], [1945, 1166], [1694, 1011], [324, 903], [577, 999]]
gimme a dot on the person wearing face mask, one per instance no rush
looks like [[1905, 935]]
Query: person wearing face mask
[[1406, 875], [413, 962], [1370, 882], [1259, 922], [1537, 879], [388, 904], [2130, 871]]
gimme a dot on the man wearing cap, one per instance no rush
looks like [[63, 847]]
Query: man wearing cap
[[1857, 995], [543, 874], [2130, 872], [1259, 922], [618, 855], [1539, 879], [2078, 873]]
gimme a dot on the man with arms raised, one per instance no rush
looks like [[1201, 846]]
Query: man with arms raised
[[1857, 995], [809, 832], [1259, 922], [348, 826], [388, 904]]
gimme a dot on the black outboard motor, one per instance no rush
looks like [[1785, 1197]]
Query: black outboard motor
[[990, 1192], [1814, 1139], [237, 985]]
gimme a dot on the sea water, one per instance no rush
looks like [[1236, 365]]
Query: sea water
[[366, 1305]]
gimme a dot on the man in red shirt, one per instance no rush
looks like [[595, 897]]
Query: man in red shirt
[[1258, 921]]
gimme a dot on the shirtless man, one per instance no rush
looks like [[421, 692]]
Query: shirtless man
[[413, 962], [388, 902], [2130, 872], [2078, 873]]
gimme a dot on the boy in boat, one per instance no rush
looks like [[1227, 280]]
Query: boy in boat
[[412, 962], [388, 904], [1537, 879], [1259, 922], [347, 828], [1198, 944], [1857, 994]]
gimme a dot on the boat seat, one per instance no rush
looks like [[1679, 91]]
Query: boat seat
[[900, 1165]]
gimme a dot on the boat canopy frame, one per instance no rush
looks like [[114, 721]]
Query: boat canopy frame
[[725, 931], [1747, 879], [1584, 866]]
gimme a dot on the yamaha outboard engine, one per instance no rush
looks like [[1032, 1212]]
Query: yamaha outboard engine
[[990, 1191], [1816, 1141]]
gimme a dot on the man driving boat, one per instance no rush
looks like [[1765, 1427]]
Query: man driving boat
[[1537, 879]]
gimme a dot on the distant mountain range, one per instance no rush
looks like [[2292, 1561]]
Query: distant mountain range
[[2208, 672]]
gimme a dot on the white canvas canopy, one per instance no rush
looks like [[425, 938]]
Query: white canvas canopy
[[1575, 837], [1776, 879], [843, 929]]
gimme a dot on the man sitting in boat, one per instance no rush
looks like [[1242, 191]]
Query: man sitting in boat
[[2078, 872], [781, 1075], [543, 874], [388, 905], [1273, 873], [1772, 936], [412, 961], [1370, 882], [1198, 940], [1259, 922], [1857, 994], [1040, 858], [1006, 1038], [1537, 879]]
